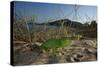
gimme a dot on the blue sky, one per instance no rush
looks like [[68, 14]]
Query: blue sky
[[44, 12]]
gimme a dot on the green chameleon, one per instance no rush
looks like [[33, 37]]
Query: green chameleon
[[56, 43], [59, 43]]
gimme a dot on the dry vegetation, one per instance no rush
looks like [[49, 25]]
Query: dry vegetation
[[24, 39]]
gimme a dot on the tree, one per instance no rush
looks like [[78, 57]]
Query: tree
[[93, 24]]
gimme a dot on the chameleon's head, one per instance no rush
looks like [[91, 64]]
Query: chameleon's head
[[66, 42]]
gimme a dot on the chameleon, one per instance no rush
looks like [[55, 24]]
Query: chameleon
[[56, 43]]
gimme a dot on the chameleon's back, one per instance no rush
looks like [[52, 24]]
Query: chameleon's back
[[51, 43]]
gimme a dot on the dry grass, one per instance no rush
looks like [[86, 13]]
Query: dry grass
[[23, 38]]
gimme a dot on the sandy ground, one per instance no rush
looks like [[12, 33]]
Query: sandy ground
[[79, 51]]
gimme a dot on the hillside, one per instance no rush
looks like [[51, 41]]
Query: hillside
[[67, 22]]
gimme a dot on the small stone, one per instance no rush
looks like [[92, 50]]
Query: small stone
[[72, 59], [38, 43], [60, 54]]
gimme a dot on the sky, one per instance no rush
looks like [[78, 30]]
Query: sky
[[43, 12]]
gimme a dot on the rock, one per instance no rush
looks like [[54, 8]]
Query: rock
[[60, 54], [76, 57], [90, 43], [90, 51], [38, 43], [72, 59]]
